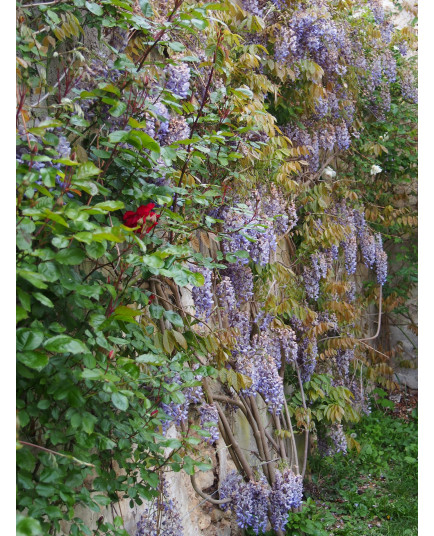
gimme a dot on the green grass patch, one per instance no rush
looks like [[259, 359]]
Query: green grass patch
[[372, 493]]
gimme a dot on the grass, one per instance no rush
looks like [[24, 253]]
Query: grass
[[368, 494]]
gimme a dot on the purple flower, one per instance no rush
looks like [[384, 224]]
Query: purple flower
[[203, 296], [229, 487], [209, 422], [380, 260], [286, 494], [178, 79], [251, 505], [160, 516]]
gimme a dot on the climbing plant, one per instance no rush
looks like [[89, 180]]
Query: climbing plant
[[196, 190]]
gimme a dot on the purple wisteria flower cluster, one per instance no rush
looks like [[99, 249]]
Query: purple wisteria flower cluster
[[241, 277], [277, 343], [251, 505], [333, 442], [178, 412], [203, 296], [286, 494], [309, 36], [228, 488], [261, 358], [178, 79], [253, 500], [269, 382], [357, 233], [307, 347], [160, 516], [256, 226], [209, 422], [283, 213], [343, 360]]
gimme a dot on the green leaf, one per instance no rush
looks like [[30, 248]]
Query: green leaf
[[112, 235], [174, 318], [126, 312], [79, 121], [201, 24], [95, 250], [102, 500], [36, 279], [71, 256], [21, 314], [145, 141], [87, 186], [25, 299], [24, 241], [99, 153], [33, 360], [180, 339], [118, 136], [27, 526], [49, 270], [151, 359], [87, 169], [94, 374], [110, 205], [172, 443], [43, 299], [154, 261], [197, 279], [202, 466], [156, 311], [88, 422], [118, 109], [55, 217], [176, 46], [146, 8], [188, 465], [65, 344], [243, 92], [95, 9], [120, 401], [26, 460], [241, 254], [28, 339]]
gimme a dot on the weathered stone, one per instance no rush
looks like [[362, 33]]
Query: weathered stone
[[204, 522], [224, 530], [216, 515], [407, 377], [205, 479]]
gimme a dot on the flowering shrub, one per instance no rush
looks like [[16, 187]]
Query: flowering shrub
[[195, 121]]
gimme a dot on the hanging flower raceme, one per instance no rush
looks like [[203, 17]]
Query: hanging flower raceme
[[144, 217]]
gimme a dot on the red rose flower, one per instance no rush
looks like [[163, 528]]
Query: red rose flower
[[144, 216]]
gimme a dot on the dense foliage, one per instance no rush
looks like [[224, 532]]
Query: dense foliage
[[195, 184]]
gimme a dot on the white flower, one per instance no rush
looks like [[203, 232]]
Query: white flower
[[328, 173], [375, 170]]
